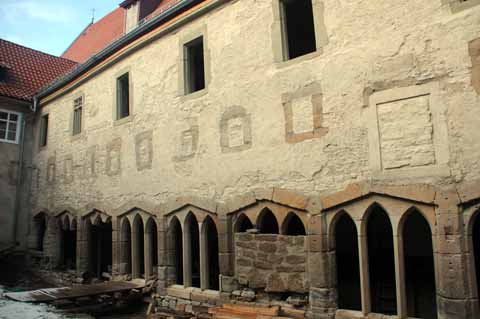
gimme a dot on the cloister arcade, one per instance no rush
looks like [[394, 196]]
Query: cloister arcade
[[381, 252]]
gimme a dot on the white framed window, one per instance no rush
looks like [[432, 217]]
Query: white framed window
[[10, 126]]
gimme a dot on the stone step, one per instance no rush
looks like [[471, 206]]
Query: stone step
[[236, 311]]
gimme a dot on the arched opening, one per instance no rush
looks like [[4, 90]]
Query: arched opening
[[476, 247], [267, 222], [138, 247], [125, 247], [348, 270], [193, 251], [419, 267], [293, 226], [176, 246], [99, 247], [151, 232], [381, 262], [68, 243], [212, 265], [40, 227], [243, 224]]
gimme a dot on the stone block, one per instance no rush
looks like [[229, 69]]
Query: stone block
[[324, 268], [267, 237], [316, 225], [179, 292], [449, 244], [351, 192], [267, 247], [295, 260], [275, 283], [455, 308], [317, 243], [240, 202], [323, 297], [229, 283], [449, 224], [297, 283], [263, 194], [263, 265], [469, 191], [226, 262], [452, 281], [244, 262], [289, 198]]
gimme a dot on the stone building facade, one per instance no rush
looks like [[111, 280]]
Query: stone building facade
[[347, 175]]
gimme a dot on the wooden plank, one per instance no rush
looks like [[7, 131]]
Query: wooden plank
[[52, 294], [267, 311]]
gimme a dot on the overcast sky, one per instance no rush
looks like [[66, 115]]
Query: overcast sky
[[49, 25]]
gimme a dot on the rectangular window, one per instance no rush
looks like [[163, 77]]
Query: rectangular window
[[9, 126], [77, 115], [194, 66], [43, 130], [298, 28], [123, 96]]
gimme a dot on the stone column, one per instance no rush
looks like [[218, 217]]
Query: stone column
[[400, 274], [204, 264], [454, 296], [364, 271], [187, 257], [135, 253], [147, 250]]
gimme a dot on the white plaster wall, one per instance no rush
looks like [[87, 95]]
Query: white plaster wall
[[372, 46]]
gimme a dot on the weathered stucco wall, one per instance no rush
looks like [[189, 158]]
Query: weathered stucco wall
[[397, 46], [10, 176], [274, 263]]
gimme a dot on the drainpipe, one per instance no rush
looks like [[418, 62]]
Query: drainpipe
[[16, 210]]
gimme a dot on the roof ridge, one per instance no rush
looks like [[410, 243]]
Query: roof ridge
[[30, 49]]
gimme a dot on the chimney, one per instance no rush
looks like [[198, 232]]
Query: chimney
[[132, 14]]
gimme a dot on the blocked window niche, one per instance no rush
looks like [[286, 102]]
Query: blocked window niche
[[194, 65]]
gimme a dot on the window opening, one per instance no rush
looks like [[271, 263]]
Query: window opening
[[195, 66], [77, 115], [43, 130], [9, 126], [123, 96]]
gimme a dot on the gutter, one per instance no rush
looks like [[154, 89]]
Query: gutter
[[110, 49]]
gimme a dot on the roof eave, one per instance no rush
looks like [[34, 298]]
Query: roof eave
[[132, 35]]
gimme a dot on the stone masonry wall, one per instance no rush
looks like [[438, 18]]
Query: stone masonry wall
[[275, 263]]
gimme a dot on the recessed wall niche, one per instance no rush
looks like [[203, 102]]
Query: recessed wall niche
[[235, 130]]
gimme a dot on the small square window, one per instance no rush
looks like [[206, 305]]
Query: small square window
[[298, 28], [77, 115], [123, 96], [43, 130], [194, 66], [9, 126]]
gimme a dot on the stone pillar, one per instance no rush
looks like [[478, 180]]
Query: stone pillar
[[52, 242], [116, 260], [226, 256], [135, 253], [454, 296], [163, 258], [204, 264], [322, 271], [82, 246], [364, 271], [147, 250], [187, 257]]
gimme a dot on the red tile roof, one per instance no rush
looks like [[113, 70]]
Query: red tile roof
[[97, 36], [28, 70]]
